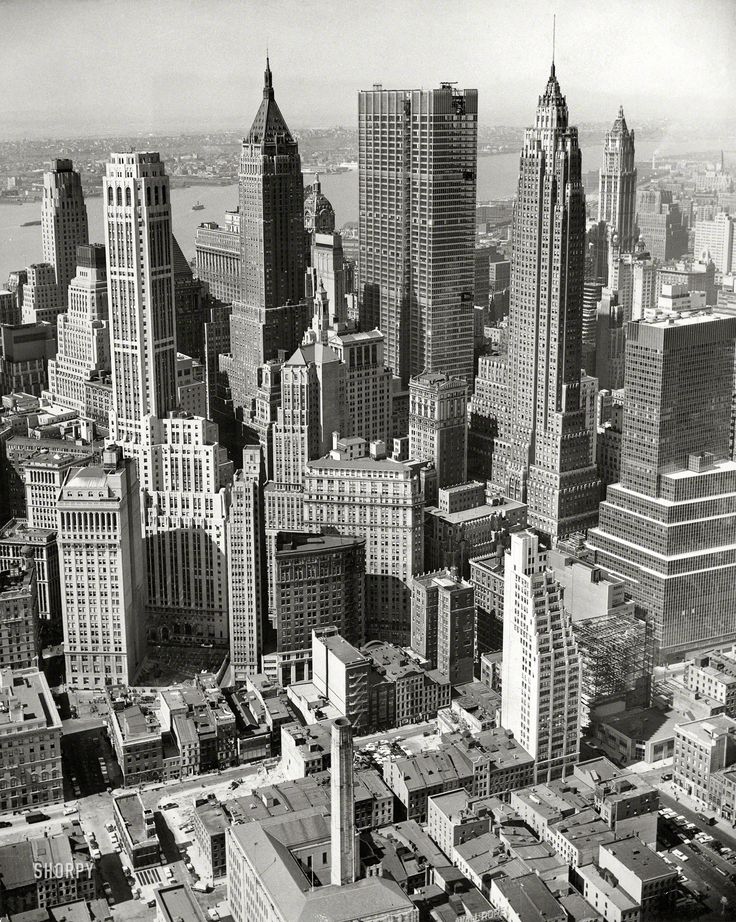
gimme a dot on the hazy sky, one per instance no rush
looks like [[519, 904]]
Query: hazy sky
[[104, 66]]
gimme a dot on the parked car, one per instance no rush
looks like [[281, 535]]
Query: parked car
[[37, 817], [170, 806], [681, 856], [4, 824]]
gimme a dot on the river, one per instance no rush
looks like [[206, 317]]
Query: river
[[497, 177]]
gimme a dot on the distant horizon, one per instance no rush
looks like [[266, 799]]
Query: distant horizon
[[156, 66]]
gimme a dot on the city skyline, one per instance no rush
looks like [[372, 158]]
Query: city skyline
[[173, 95]]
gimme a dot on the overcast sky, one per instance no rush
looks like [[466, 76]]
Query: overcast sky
[[103, 66]]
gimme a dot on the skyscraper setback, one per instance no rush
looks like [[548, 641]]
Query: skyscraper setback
[[63, 221], [542, 455], [272, 238], [418, 161]]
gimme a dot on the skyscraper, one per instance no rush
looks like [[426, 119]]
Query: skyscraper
[[82, 332], [63, 222], [660, 223], [142, 334], [541, 666], [418, 161], [617, 184], [272, 239], [182, 469], [247, 565], [42, 301], [543, 450], [438, 427], [102, 572], [667, 528]]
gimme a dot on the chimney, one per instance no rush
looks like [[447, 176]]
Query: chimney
[[342, 821]]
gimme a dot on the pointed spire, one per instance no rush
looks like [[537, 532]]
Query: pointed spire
[[554, 36], [267, 80], [620, 111]]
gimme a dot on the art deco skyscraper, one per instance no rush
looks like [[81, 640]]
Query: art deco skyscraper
[[418, 160], [617, 184], [63, 221], [82, 333], [272, 248], [542, 455], [140, 278], [182, 469]]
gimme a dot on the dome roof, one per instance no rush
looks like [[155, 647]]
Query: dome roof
[[319, 215]]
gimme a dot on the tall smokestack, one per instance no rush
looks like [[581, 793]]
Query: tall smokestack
[[342, 821]]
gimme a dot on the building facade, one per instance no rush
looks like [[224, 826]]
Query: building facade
[[542, 455], [438, 425], [617, 184], [541, 667], [418, 162], [63, 222]]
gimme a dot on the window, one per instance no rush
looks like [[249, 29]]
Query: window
[[119, 197], [127, 196]]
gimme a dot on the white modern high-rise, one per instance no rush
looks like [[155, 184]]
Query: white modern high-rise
[[102, 572], [82, 334], [246, 565], [183, 471], [63, 222], [541, 665]]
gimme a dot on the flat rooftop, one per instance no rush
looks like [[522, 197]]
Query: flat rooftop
[[130, 807], [639, 858], [176, 903]]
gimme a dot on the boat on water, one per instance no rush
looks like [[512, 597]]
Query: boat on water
[[197, 206], [31, 224]]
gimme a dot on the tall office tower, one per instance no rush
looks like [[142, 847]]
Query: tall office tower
[[356, 490], [182, 468], [443, 623], [16, 281], [142, 333], [102, 572], [438, 425], [617, 184], [312, 404], [63, 222], [247, 566], [320, 582], [83, 351], [217, 250], [542, 454], [541, 665], [667, 528], [42, 301], [9, 310], [272, 248], [368, 390], [327, 267], [418, 161], [660, 224], [716, 239], [644, 287], [487, 405], [610, 342], [591, 297], [191, 307], [345, 861], [19, 629]]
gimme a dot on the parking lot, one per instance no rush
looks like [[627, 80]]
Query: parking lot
[[706, 863]]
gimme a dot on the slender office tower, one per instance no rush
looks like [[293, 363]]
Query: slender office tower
[[272, 240], [182, 468], [542, 455], [342, 819], [418, 160], [617, 184], [140, 279], [63, 222]]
